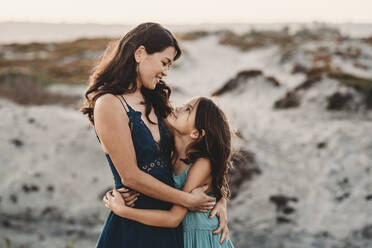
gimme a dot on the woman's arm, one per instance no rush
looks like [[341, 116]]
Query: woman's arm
[[219, 210], [111, 123], [197, 176]]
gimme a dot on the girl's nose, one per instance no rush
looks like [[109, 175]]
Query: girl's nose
[[165, 72]]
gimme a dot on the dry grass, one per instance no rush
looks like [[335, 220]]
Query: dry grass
[[28, 88], [363, 85], [368, 40], [256, 39], [191, 36], [64, 62]]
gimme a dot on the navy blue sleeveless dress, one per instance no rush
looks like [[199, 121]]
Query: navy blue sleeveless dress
[[154, 159]]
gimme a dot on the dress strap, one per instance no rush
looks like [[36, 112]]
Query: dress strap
[[126, 105], [96, 134]]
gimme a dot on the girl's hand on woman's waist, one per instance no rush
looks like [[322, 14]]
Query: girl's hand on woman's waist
[[130, 196], [114, 201]]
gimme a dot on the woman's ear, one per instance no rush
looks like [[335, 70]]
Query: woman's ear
[[140, 53]]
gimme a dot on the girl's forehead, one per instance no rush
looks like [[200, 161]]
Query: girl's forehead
[[193, 101]]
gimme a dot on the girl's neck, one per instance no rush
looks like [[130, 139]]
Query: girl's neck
[[181, 143]]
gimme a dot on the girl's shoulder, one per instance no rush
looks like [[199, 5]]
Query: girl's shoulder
[[201, 163]]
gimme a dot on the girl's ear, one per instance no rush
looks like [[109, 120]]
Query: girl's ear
[[140, 53], [195, 134]]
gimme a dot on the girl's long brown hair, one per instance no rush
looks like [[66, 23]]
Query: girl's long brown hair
[[214, 145], [116, 71]]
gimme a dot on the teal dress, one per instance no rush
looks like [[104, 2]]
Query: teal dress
[[197, 226]]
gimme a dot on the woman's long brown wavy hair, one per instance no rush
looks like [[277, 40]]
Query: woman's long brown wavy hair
[[116, 71], [214, 145]]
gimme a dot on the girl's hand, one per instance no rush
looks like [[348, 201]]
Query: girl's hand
[[202, 202], [114, 201], [130, 196], [220, 210]]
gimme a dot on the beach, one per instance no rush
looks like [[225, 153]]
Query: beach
[[298, 97]]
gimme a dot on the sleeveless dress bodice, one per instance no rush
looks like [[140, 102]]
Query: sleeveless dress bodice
[[152, 158], [197, 226]]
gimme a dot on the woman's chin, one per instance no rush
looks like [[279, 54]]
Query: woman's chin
[[151, 86], [170, 120], [154, 85]]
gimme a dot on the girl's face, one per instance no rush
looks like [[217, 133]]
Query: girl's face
[[152, 67], [182, 119]]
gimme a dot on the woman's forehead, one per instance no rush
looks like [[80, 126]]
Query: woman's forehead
[[169, 53]]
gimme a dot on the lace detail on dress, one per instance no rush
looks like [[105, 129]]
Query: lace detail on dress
[[157, 163]]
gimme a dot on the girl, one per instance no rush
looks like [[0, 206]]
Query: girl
[[133, 137], [202, 155]]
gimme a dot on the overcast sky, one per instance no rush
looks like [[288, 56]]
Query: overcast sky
[[187, 11]]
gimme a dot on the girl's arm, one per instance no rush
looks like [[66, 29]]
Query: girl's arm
[[198, 174], [111, 123], [221, 211]]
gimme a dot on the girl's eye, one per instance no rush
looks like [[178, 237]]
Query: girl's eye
[[165, 64], [188, 109]]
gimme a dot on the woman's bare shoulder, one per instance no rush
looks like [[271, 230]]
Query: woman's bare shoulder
[[108, 104], [106, 100]]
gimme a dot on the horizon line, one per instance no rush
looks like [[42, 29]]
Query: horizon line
[[180, 24]]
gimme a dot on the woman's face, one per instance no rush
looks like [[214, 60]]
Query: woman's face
[[153, 67], [182, 119]]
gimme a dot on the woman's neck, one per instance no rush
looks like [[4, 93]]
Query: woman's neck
[[136, 96]]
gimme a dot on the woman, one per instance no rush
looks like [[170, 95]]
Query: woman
[[202, 154], [134, 140]]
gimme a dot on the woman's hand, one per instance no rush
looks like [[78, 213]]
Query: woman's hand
[[202, 201], [130, 196], [114, 201], [220, 210]]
